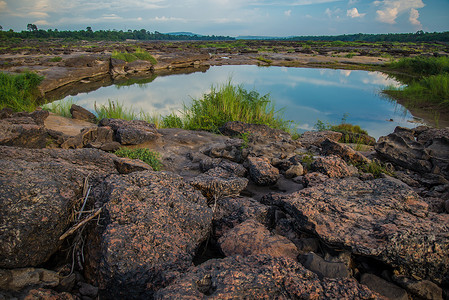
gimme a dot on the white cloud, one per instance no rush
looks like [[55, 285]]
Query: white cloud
[[414, 15], [42, 22], [288, 13], [3, 6], [391, 9], [354, 13], [329, 12]]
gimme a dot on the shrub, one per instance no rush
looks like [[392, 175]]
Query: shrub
[[56, 59], [19, 91]]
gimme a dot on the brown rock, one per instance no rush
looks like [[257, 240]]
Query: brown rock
[[383, 218], [22, 132], [333, 166], [324, 268], [262, 172], [237, 128], [252, 238], [294, 171], [317, 137], [383, 287], [80, 113], [423, 289], [38, 294], [343, 151], [153, 224], [17, 279], [260, 276], [218, 182], [314, 179], [131, 132]]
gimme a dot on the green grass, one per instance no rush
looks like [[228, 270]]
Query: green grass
[[144, 154], [61, 107], [421, 66], [264, 59], [56, 59], [231, 102], [138, 54], [19, 91], [430, 89]]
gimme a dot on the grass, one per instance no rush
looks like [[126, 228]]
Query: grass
[[376, 168], [19, 91], [61, 107], [56, 59], [231, 102], [421, 66], [432, 83], [144, 154], [351, 133], [264, 59], [139, 54]]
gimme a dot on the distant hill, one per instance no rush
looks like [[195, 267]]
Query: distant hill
[[184, 33]]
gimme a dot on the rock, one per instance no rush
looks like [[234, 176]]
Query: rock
[[446, 205], [383, 219], [39, 116], [294, 171], [436, 205], [232, 211], [153, 224], [234, 168], [218, 182], [67, 283], [17, 279], [138, 66], [424, 289], [93, 137], [403, 150], [38, 294], [343, 151], [323, 268], [22, 132], [317, 137], [229, 149], [40, 190], [383, 287], [117, 67], [260, 276], [333, 166], [314, 179], [81, 113], [237, 128], [252, 238], [127, 165], [88, 290], [131, 132], [262, 172]]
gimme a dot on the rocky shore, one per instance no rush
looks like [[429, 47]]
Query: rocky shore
[[268, 217]]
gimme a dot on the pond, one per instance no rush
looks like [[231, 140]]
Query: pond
[[306, 95]]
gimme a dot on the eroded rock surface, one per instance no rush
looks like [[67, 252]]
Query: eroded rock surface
[[264, 277], [131, 132], [262, 172], [154, 222], [382, 218]]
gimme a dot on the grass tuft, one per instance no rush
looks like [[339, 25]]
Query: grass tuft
[[138, 54], [231, 102], [61, 107], [19, 91]]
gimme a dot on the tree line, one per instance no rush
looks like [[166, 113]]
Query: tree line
[[109, 35]]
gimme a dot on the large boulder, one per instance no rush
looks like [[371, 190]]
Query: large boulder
[[131, 132], [237, 128], [251, 237], [153, 222], [383, 219], [41, 188], [315, 138], [260, 276], [330, 147], [421, 150], [217, 183], [262, 172], [333, 166], [23, 129]]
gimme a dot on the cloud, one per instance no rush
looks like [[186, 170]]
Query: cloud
[[288, 13], [414, 15], [3, 6], [354, 13], [329, 12], [391, 9], [352, 2], [42, 22]]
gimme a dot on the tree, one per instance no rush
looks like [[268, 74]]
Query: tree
[[31, 27], [1, 28], [89, 29]]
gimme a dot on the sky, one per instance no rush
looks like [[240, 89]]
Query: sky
[[230, 17]]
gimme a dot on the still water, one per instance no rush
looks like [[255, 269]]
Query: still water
[[306, 95]]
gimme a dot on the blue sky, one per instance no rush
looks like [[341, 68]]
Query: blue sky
[[231, 17]]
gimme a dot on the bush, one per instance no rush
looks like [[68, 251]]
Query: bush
[[231, 103], [422, 66], [20, 91], [144, 154]]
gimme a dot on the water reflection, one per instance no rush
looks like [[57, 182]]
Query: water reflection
[[306, 94]]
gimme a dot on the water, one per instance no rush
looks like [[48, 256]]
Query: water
[[306, 94]]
